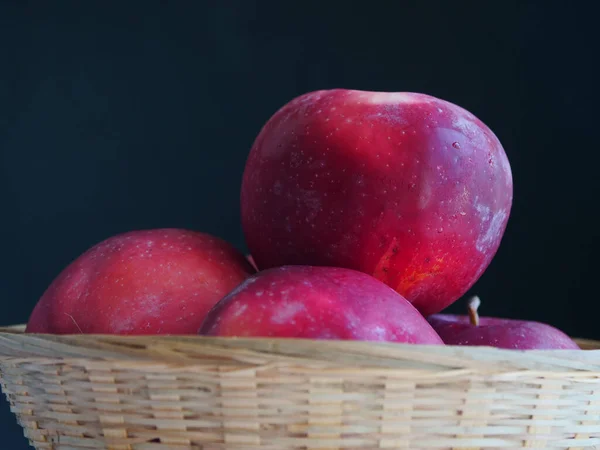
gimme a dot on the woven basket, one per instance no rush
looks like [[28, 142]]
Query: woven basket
[[156, 393]]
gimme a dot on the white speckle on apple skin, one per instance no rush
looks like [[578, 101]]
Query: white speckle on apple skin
[[382, 98], [378, 333], [240, 310], [493, 232], [286, 312], [424, 196], [464, 122], [483, 211]]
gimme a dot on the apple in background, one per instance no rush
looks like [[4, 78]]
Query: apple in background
[[405, 187], [317, 303], [496, 332], [160, 281]]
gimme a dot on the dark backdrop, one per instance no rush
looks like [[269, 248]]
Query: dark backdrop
[[121, 115]]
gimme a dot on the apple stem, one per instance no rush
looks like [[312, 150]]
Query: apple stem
[[472, 306]]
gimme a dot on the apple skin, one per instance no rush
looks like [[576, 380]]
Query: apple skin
[[318, 303], [405, 187], [160, 281], [501, 333]]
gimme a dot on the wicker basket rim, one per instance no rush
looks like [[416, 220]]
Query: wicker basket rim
[[202, 350]]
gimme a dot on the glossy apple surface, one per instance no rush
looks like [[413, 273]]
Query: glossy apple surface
[[318, 303], [408, 188], [160, 281]]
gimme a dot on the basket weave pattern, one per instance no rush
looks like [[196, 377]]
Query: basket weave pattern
[[156, 393]]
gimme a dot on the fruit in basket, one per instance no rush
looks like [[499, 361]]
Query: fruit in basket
[[497, 332], [408, 188], [160, 281], [317, 303]]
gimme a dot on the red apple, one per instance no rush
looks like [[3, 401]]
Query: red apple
[[317, 303], [408, 188], [160, 281], [497, 332]]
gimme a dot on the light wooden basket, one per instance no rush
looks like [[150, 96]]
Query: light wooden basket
[[156, 393]]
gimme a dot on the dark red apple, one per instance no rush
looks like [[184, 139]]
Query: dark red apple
[[160, 281], [408, 188], [318, 303], [497, 332]]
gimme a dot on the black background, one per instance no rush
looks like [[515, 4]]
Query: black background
[[122, 115]]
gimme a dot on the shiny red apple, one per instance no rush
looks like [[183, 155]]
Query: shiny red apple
[[408, 188], [497, 332], [160, 281], [317, 303]]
